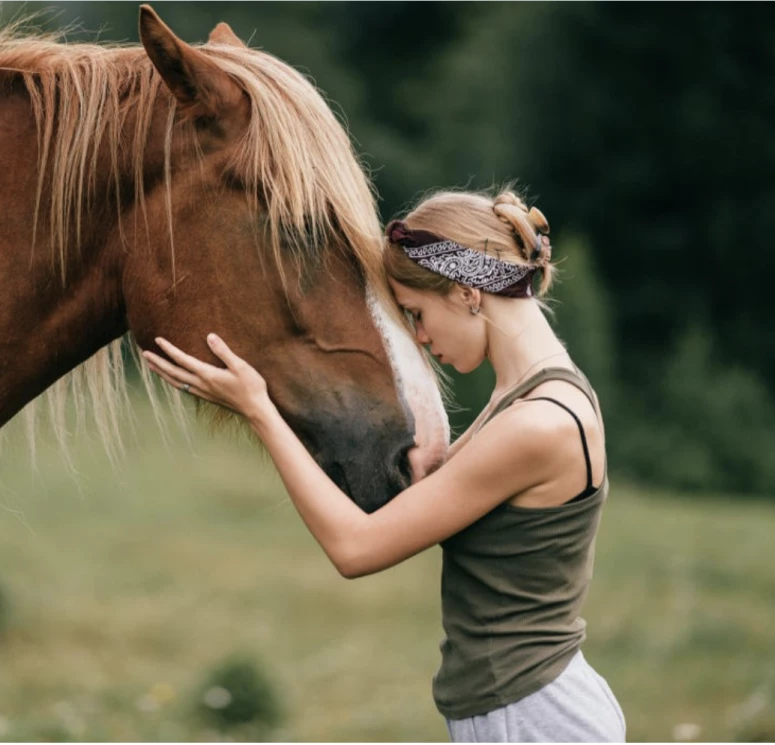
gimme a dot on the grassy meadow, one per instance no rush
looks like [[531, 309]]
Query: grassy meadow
[[124, 587]]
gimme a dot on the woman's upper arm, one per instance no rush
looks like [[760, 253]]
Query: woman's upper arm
[[511, 454]]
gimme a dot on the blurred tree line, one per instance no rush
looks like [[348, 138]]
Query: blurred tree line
[[642, 130]]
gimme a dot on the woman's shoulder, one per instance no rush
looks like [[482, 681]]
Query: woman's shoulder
[[535, 427], [568, 423], [531, 416], [530, 452], [534, 416]]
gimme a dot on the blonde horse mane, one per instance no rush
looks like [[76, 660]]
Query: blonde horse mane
[[296, 160]]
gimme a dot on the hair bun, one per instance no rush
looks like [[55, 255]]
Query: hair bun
[[396, 231], [509, 197], [510, 209], [542, 254], [540, 223], [530, 227]]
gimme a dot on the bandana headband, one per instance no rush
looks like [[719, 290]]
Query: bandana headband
[[471, 268]]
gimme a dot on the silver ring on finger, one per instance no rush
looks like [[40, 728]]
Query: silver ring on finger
[[186, 387]]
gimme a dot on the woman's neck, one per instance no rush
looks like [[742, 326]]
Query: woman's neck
[[520, 342]]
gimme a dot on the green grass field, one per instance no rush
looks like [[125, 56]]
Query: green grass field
[[126, 587]]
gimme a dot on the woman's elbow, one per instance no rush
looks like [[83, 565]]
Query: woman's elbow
[[348, 572], [352, 557], [357, 563], [350, 567], [355, 554]]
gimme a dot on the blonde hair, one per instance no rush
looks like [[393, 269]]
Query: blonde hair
[[501, 225]]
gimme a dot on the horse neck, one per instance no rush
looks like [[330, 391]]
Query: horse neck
[[55, 312]]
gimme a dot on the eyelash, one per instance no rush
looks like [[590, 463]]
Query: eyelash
[[413, 319]]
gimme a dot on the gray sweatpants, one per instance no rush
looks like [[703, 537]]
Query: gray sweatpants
[[578, 706]]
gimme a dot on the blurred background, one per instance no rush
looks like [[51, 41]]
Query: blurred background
[[177, 596]]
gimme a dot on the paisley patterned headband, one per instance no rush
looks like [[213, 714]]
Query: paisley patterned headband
[[471, 268]]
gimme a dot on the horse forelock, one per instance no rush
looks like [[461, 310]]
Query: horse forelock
[[295, 157]]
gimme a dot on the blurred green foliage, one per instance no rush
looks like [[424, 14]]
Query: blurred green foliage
[[644, 129], [237, 692], [707, 423]]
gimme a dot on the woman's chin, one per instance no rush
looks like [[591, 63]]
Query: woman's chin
[[461, 367], [466, 368]]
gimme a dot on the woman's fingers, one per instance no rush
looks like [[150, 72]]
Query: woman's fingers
[[177, 375], [194, 389], [222, 351], [185, 360], [162, 369], [239, 387]]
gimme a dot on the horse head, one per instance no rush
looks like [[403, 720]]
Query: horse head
[[260, 226]]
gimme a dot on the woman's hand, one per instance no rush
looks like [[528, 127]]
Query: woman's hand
[[239, 386]]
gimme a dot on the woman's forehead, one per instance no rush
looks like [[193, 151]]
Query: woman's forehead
[[405, 295], [414, 298]]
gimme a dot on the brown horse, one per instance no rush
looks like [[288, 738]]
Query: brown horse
[[169, 189]]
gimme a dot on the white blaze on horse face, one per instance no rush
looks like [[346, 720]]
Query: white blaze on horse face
[[417, 386]]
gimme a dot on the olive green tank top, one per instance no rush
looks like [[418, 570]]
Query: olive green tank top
[[512, 587]]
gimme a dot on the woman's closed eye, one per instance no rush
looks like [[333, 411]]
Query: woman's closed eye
[[412, 316]]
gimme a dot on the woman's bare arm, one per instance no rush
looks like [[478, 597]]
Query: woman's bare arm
[[511, 454]]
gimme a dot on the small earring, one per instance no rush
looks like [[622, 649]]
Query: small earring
[[474, 309]]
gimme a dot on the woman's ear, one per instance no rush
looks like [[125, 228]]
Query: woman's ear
[[470, 296]]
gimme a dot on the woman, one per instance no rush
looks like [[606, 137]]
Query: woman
[[516, 506]]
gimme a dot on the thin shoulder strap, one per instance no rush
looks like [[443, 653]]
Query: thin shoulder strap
[[577, 379], [587, 459]]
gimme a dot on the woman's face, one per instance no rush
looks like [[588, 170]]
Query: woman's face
[[445, 324]]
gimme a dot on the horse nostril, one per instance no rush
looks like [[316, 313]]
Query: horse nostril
[[402, 468]]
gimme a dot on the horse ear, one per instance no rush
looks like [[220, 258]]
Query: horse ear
[[222, 34], [201, 87]]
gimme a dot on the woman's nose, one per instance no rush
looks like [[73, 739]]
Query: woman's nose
[[422, 337]]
